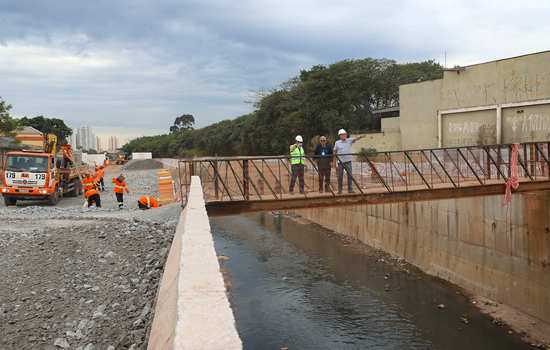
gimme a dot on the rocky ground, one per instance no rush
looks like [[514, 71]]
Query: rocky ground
[[75, 278]]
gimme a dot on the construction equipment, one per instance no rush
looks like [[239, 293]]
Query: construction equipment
[[121, 159], [46, 174]]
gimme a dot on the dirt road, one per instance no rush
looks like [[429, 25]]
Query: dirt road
[[75, 278]]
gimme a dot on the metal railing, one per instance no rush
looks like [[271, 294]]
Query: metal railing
[[258, 178]]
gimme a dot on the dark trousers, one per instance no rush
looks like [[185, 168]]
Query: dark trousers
[[120, 199], [324, 178], [102, 184], [297, 172], [94, 199], [344, 168], [142, 206]]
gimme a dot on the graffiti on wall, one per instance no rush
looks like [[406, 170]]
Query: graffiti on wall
[[528, 123], [464, 128], [464, 133]]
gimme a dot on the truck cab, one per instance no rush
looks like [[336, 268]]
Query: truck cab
[[39, 175], [30, 176]]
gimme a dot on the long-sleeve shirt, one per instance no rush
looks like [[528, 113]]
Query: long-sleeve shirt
[[324, 154]]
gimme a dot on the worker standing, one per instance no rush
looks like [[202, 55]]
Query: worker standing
[[323, 155], [297, 161], [342, 150], [120, 188], [147, 202], [90, 191], [99, 174]]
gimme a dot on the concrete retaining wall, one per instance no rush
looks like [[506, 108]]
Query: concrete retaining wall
[[502, 253], [192, 309]]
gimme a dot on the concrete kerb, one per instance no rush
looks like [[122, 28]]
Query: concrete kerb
[[192, 310]]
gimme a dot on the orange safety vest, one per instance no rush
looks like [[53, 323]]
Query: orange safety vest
[[89, 187], [99, 173], [120, 186], [150, 202]]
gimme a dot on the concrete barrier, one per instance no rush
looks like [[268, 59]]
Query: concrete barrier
[[192, 310]]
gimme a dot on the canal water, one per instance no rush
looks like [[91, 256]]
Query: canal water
[[297, 285]]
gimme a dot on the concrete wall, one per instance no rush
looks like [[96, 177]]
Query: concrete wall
[[387, 140], [142, 155], [493, 85], [192, 310], [419, 104], [390, 124], [502, 253], [93, 159], [382, 141], [531, 122], [469, 128]]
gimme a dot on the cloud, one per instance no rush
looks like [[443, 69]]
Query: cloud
[[137, 64]]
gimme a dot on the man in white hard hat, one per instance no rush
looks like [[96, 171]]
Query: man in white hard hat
[[342, 151], [297, 161]]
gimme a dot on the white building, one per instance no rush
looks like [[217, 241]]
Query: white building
[[86, 138], [113, 143]]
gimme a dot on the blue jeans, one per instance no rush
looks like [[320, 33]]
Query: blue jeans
[[342, 167]]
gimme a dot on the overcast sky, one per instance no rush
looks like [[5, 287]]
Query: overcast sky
[[131, 67]]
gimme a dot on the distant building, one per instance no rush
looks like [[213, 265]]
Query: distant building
[[72, 139], [113, 143], [29, 136], [85, 138], [502, 101], [98, 144]]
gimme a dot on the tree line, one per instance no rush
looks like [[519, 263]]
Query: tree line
[[9, 125], [318, 101]]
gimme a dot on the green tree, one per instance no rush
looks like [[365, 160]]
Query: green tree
[[49, 126], [318, 101], [7, 124], [183, 122]]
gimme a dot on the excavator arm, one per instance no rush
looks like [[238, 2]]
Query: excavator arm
[[50, 144]]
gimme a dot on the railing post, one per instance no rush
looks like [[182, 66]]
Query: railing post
[[216, 174], [246, 184], [532, 159], [488, 165]]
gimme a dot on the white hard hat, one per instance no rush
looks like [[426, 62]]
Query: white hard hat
[[341, 132], [299, 138]]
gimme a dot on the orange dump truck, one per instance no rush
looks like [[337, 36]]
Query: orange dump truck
[[41, 175]]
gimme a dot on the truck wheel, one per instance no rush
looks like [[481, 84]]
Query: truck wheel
[[10, 201], [54, 198], [74, 191]]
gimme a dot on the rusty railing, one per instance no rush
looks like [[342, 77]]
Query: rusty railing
[[259, 178]]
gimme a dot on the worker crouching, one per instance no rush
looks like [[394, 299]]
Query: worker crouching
[[120, 188], [147, 202], [90, 191]]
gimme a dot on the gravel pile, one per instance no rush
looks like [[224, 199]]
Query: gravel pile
[[74, 278], [143, 164]]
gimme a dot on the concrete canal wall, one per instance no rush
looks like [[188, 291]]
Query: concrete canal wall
[[499, 252], [192, 310]]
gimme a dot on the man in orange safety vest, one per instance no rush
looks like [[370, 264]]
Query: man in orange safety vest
[[99, 174], [120, 188], [89, 186], [147, 202]]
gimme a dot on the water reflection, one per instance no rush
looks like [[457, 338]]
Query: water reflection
[[300, 286]]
